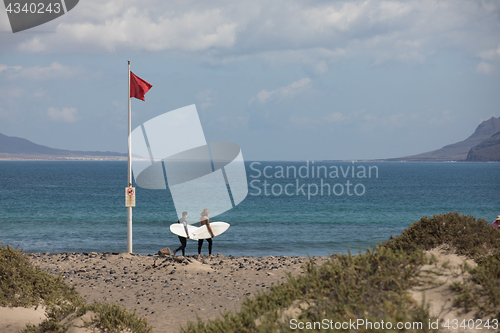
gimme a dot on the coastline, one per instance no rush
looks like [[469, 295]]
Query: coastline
[[26, 158], [432, 281], [169, 291]]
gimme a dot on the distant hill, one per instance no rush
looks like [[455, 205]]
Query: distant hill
[[486, 151], [18, 148], [458, 151]]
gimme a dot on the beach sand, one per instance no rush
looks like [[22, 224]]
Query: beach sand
[[169, 291], [434, 288], [13, 320]]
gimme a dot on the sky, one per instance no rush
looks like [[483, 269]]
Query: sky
[[283, 79]]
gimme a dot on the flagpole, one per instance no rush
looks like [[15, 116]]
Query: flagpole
[[129, 209]]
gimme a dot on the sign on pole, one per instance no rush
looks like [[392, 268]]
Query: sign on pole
[[129, 196]]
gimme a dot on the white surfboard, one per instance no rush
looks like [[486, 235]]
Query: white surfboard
[[217, 228], [178, 229]]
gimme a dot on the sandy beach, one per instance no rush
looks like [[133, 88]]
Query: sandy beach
[[170, 291]]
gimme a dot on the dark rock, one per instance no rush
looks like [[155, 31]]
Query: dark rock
[[486, 151]]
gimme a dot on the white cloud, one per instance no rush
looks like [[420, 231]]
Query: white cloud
[[6, 68], [237, 122], [40, 93], [11, 92], [312, 123], [4, 22], [490, 61], [140, 28], [440, 118], [206, 98], [387, 121], [68, 115], [397, 120], [393, 121], [33, 45], [335, 117], [493, 54], [369, 121], [291, 90], [40, 73], [309, 33], [486, 68]]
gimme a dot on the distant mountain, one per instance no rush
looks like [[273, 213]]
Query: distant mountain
[[12, 147], [458, 151], [486, 151]]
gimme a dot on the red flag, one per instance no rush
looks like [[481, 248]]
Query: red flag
[[138, 87]]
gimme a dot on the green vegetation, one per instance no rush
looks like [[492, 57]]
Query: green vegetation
[[373, 285], [473, 238], [23, 285], [481, 292], [370, 286], [113, 318]]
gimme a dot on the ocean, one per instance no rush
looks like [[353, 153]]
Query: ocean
[[313, 208]]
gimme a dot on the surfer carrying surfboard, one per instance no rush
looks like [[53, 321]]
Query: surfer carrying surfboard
[[205, 220], [182, 239]]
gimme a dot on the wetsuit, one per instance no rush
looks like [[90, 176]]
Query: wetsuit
[[183, 239], [209, 240]]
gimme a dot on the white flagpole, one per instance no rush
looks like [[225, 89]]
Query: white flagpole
[[129, 209]]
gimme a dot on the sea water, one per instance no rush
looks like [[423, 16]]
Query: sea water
[[293, 208]]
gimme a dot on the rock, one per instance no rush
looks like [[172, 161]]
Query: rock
[[164, 252], [219, 255], [486, 151]]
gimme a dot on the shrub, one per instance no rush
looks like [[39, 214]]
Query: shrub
[[468, 236]]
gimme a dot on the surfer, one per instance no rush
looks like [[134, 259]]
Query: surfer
[[496, 223], [204, 219], [182, 239]]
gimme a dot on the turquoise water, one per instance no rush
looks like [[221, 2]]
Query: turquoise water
[[49, 206]]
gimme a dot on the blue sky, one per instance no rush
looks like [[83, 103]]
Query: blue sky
[[285, 80]]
